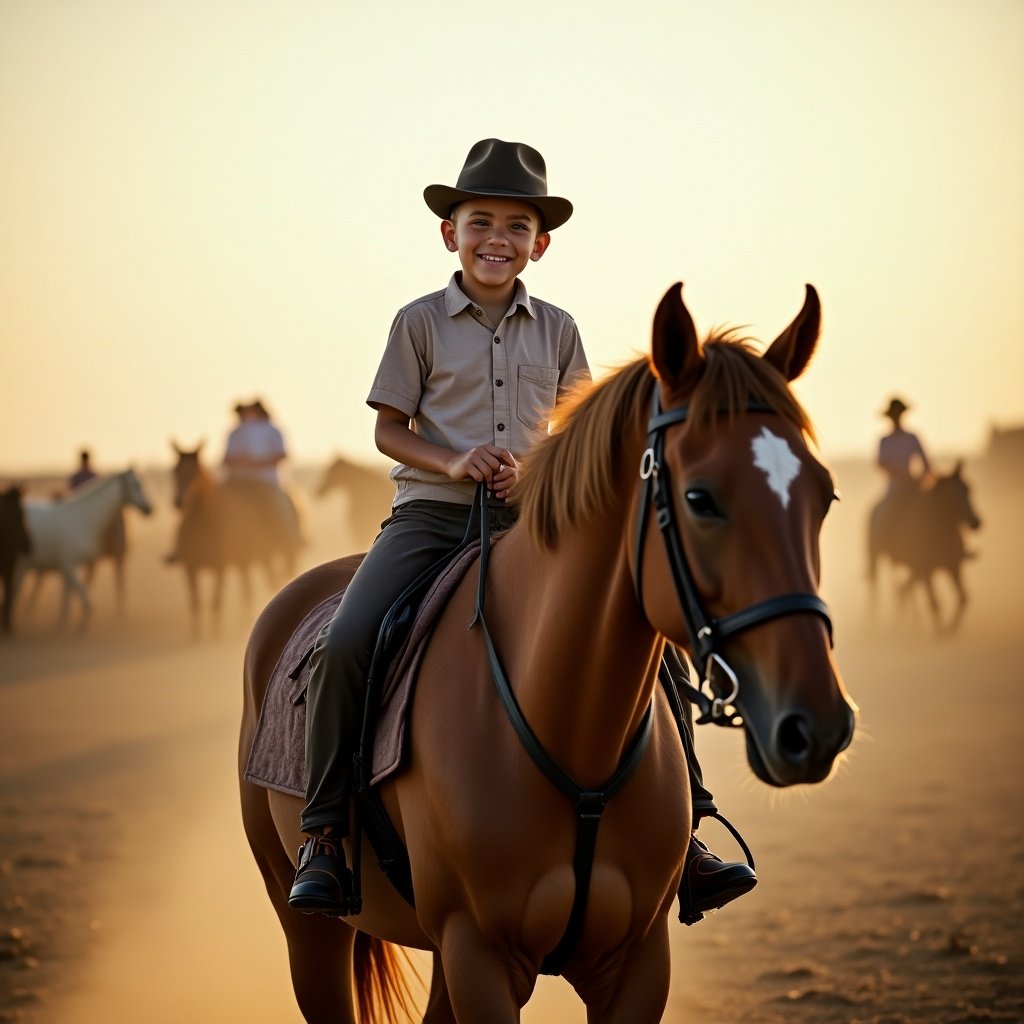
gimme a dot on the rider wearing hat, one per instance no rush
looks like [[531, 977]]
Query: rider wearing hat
[[901, 455], [467, 380]]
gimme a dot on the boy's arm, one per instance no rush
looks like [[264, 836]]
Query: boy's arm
[[485, 462]]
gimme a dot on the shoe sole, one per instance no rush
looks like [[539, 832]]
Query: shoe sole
[[740, 888], [312, 905]]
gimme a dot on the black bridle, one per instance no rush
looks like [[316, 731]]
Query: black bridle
[[707, 634]]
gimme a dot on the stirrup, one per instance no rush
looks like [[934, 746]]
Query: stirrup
[[688, 912]]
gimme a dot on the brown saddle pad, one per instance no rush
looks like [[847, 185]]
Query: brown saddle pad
[[277, 759]]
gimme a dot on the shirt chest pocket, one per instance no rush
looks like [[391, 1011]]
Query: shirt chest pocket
[[538, 389]]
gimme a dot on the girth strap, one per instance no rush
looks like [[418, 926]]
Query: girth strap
[[589, 805]]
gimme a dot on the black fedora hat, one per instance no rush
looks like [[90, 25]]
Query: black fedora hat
[[896, 408], [501, 170]]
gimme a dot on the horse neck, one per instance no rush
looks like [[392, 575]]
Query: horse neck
[[98, 504], [583, 661], [202, 484]]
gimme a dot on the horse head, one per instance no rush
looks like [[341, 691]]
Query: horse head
[[133, 492], [952, 495], [186, 471], [337, 474], [748, 494]]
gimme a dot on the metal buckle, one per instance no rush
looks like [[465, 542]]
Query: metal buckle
[[719, 704], [648, 465]]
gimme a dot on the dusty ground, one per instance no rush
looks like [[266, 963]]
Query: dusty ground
[[894, 894]]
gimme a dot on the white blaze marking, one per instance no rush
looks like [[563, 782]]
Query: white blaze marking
[[773, 455]]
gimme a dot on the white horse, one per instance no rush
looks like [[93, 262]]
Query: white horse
[[69, 533]]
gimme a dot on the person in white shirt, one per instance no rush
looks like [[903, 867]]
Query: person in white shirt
[[255, 446], [255, 449]]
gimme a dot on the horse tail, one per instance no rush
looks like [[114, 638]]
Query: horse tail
[[382, 987]]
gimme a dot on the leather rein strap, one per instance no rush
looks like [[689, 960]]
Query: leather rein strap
[[589, 804], [707, 634]]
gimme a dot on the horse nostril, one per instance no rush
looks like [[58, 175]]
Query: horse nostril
[[794, 739]]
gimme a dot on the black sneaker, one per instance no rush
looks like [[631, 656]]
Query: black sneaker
[[710, 883], [323, 881]]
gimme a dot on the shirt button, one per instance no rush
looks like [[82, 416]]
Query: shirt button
[[499, 383], [497, 341], [501, 426], [479, 312]]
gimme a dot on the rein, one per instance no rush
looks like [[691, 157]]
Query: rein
[[589, 804], [707, 634]]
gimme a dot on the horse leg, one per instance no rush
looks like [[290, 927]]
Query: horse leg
[[119, 583], [439, 1003], [217, 600], [72, 584], [933, 601], [13, 589], [192, 583], [273, 577], [483, 984], [320, 961], [319, 948], [245, 580], [33, 595], [961, 598], [636, 994]]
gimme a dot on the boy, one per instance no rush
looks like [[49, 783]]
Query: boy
[[467, 379]]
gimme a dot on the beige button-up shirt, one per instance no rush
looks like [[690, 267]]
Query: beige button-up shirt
[[464, 381]]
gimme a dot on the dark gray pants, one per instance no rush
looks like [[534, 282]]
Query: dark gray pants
[[416, 535]]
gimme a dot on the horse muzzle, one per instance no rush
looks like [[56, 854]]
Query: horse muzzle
[[798, 747]]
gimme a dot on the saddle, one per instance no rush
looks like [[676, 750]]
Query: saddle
[[277, 758]]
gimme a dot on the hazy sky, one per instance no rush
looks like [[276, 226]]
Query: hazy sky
[[206, 201]]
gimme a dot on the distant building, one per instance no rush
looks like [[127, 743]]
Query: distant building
[[1005, 448]]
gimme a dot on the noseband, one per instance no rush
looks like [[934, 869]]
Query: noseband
[[707, 634]]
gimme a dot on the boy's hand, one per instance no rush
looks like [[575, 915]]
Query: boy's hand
[[494, 466]]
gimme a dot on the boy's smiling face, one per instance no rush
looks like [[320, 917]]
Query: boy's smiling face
[[495, 239]]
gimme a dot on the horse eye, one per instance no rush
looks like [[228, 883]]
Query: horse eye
[[701, 503]]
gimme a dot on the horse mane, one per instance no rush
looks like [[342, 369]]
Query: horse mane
[[569, 476]]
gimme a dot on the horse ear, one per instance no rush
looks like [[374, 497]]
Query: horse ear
[[675, 351], [792, 349]]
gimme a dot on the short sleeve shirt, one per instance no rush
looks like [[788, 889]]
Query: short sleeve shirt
[[464, 381], [256, 439], [897, 453]]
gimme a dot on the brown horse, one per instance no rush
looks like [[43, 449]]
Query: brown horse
[[115, 550], [923, 531], [229, 524], [15, 543], [369, 492], [581, 596]]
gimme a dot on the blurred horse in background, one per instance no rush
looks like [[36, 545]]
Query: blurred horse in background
[[70, 533], [924, 533], [230, 524], [15, 543], [369, 494]]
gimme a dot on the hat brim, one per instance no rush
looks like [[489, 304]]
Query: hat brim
[[442, 198]]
